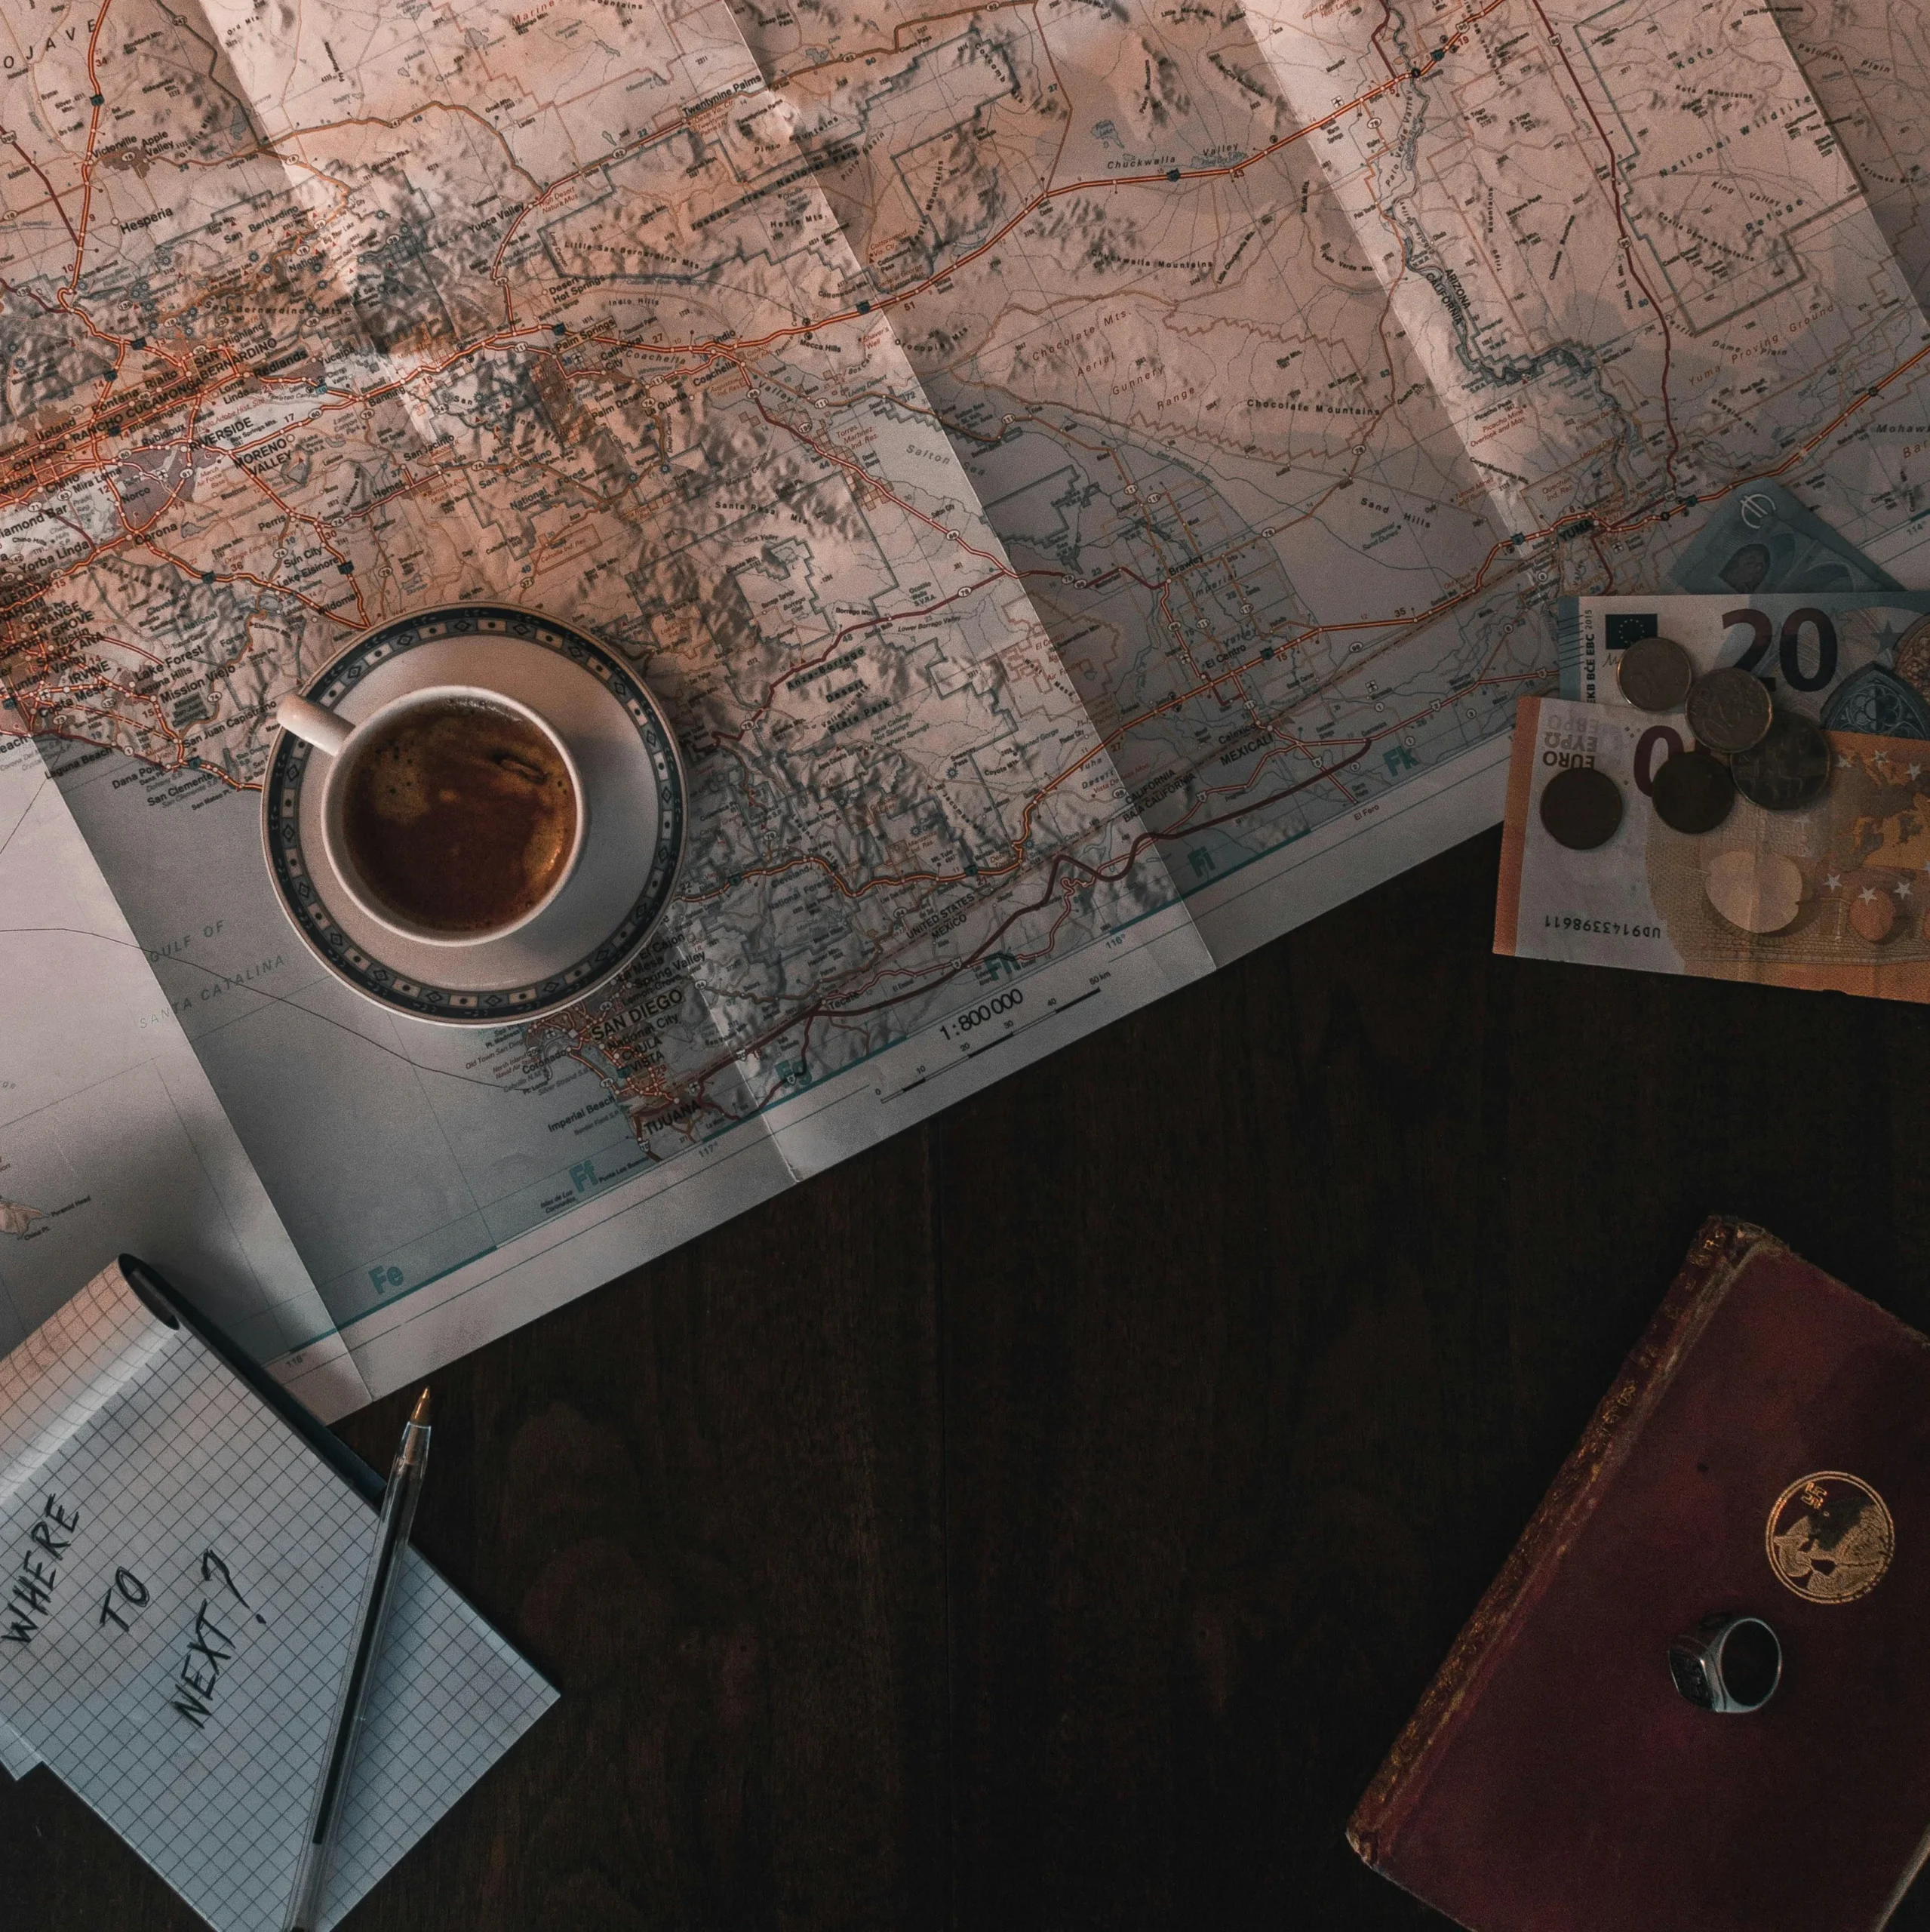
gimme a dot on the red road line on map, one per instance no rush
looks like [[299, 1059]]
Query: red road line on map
[[1374, 39], [60, 207], [99, 21]]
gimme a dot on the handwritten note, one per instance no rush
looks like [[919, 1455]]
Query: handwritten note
[[181, 1577]]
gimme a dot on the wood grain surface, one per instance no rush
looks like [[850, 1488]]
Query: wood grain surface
[[1048, 1518]]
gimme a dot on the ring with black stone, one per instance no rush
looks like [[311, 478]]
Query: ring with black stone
[[1727, 1664]]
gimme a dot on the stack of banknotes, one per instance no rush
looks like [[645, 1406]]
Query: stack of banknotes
[[1792, 843]]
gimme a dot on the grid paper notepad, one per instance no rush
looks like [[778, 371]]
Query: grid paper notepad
[[182, 1575]]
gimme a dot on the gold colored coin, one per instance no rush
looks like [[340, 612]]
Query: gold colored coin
[[1830, 1537]]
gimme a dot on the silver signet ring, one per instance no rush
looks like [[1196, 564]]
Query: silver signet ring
[[1727, 1664]]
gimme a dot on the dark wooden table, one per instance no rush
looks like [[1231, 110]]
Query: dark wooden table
[[1048, 1519]]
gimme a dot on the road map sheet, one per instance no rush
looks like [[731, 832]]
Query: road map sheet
[[1868, 63], [111, 1138], [1089, 483]]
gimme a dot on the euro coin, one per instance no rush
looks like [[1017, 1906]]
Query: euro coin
[[1581, 807], [1729, 711], [1655, 674], [1692, 791], [1788, 769], [1761, 892]]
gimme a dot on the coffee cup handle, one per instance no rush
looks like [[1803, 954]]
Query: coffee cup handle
[[313, 725]]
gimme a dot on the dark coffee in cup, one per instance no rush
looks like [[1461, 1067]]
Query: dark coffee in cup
[[459, 816]]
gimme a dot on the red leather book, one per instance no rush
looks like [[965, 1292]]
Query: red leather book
[[1554, 1779]]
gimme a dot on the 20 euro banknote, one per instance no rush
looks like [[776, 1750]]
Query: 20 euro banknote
[[1855, 866], [1852, 663]]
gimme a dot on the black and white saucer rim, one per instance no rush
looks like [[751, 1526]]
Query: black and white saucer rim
[[352, 963]]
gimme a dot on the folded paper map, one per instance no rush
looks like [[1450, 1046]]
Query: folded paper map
[[1854, 868], [1868, 63], [1089, 484]]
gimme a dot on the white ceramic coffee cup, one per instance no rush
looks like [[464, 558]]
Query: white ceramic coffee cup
[[341, 742]]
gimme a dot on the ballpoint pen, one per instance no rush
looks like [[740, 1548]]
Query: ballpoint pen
[[391, 1537]]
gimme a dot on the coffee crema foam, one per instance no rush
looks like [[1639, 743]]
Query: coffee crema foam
[[460, 816]]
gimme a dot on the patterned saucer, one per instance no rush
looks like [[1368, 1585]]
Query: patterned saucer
[[635, 798]]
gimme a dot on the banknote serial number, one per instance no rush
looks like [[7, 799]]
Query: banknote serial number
[[1567, 922]]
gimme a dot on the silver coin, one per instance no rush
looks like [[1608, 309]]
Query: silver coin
[[1788, 769], [1729, 711], [1654, 674]]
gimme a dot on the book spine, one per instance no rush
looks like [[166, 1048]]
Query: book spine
[[1719, 1252]]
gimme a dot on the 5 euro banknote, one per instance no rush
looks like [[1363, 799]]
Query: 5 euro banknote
[[1855, 866], [1849, 662]]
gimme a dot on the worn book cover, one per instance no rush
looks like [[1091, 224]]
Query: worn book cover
[[1765, 1449]]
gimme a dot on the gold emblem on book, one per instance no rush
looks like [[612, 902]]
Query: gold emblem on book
[[1830, 1537]]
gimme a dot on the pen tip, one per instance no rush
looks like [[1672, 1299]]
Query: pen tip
[[420, 1414]]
